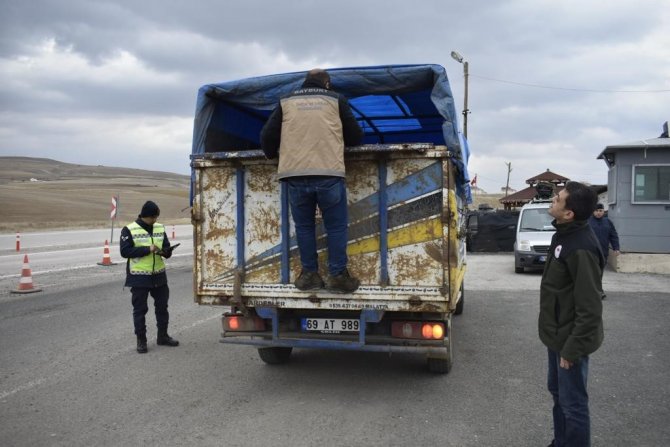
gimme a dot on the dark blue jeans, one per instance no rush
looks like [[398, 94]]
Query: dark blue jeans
[[572, 425], [330, 195]]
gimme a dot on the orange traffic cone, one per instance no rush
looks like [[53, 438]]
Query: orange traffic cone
[[106, 259], [26, 281]]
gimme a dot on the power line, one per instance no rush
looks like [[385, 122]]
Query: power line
[[523, 84]]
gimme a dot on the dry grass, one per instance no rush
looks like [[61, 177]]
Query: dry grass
[[79, 196], [491, 199]]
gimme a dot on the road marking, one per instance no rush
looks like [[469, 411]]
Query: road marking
[[74, 267], [94, 230], [199, 322], [25, 387], [59, 251]]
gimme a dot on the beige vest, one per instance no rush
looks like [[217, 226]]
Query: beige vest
[[311, 137]]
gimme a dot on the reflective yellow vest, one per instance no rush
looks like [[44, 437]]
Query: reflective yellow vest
[[152, 263]]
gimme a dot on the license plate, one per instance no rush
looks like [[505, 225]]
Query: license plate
[[330, 325]]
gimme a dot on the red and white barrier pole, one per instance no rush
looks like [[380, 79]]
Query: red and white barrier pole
[[172, 232], [18, 241]]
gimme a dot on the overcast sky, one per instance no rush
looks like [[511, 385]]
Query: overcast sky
[[552, 82]]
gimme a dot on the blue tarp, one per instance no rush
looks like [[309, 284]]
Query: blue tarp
[[393, 104]]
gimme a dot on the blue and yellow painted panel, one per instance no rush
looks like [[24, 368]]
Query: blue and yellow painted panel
[[403, 229]]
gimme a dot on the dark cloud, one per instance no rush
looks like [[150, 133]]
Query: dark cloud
[[119, 62]]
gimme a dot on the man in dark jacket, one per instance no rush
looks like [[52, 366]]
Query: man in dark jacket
[[309, 130], [570, 321], [604, 231], [144, 243]]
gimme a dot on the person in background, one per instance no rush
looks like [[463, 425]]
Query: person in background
[[604, 231], [144, 243], [308, 131], [570, 321]]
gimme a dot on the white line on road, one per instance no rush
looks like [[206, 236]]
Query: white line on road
[[24, 387], [199, 322], [74, 267]]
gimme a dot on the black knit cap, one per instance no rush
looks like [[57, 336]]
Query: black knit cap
[[150, 209], [600, 206]]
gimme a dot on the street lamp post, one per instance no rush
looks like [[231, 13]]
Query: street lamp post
[[458, 58]]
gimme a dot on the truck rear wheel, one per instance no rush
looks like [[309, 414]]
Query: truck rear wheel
[[275, 356], [461, 302], [440, 362], [439, 366]]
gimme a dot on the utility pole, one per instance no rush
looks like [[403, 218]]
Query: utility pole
[[509, 169], [466, 111], [466, 67]]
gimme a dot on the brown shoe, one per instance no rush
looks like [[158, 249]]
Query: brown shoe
[[342, 283], [308, 281]]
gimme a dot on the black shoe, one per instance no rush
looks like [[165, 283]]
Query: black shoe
[[308, 281], [603, 296], [342, 283], [165, 340], [142, 345]]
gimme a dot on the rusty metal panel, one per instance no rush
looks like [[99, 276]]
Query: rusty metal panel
[[363, 249], [262, 224], [217, 229], [423, 257]]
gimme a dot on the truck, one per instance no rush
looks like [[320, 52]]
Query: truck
[[407, 188]]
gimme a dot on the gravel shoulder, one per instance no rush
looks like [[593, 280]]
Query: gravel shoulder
[[495, 271]]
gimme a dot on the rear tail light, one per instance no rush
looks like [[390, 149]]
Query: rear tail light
[[240, 323], [417, 329]]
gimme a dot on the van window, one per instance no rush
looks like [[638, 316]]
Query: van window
[[536, 220]]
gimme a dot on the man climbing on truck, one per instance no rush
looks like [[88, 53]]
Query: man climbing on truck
[[308, 131]]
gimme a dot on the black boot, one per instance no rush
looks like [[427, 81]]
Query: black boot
[[308, 281], [142, 345], [342, 283], [165, 340]]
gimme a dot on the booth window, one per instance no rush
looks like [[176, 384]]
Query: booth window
[[651, 184]]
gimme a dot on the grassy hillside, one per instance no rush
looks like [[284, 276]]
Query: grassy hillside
[[39, 193], [491, 199], [64, 195]]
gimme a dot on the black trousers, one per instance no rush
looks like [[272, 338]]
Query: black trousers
[[140, 296]]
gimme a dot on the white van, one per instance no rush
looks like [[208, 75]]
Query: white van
[[533, 236]]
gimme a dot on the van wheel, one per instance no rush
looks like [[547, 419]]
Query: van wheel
[[518, 270], [460, 304], [275, 356]]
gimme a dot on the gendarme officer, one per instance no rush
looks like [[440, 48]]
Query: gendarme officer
[[145, 244]]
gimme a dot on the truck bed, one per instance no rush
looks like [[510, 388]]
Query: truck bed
[[405, 243]]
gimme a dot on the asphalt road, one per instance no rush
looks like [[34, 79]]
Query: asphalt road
[[69, 374], [44, 240], [58, 251]]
